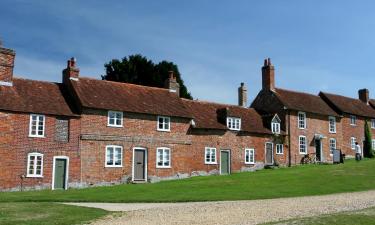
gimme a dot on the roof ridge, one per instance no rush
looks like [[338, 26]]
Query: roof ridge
[[41, 81], [125, 83], [299, 92], [343, 96], [215, 103]]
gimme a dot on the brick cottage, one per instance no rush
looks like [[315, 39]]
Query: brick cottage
[[83, 132]]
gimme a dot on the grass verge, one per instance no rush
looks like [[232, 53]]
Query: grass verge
[[44, 213], [265, 184]]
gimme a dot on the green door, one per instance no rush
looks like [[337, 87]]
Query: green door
[[60, 174], [224, 162]]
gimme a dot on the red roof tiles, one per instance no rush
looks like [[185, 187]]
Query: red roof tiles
[[304, 102], [34, 97], [208, 115], [349, 105], [109, 95]]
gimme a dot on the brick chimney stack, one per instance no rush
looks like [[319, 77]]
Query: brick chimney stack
[[71, 72], [268, 75], [7, 57], [172, 84], [364, 95], [242, 95]]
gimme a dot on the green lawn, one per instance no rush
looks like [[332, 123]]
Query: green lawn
[[361, 217], [46, 213], [285, 182]]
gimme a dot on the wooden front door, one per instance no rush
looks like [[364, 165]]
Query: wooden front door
[[60, 174], [139, 164], [269, 153], [224, 162]]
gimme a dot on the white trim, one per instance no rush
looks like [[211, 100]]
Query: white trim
[[114, 147], [169, 160], [36, 154], [372, 123], [282, 149], [229, 160], [66, 171], [331, 139], [353, 140], [115, 119], [233, 120], [329, 124], [145, 150], [304, 120], [205, 161], [265, 153], [250, 150], [354, 118], [299, 145], [169, 123], [3, 83], [37, 125]]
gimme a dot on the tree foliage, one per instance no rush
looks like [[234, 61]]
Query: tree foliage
[[367, 147], [137, 69]]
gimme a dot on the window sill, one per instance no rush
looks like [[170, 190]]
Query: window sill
[[249, 163], [34, 176], [163, 130], [210, 163], [106, 166], [302, 128], [36, 136], [303, 153], [116, 126], [234, 129], [163, 167], [332, 132], [280, 153]]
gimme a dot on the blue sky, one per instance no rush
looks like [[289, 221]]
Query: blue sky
[[314, 45]]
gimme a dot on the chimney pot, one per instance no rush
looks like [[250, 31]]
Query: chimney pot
[[7, 57], [71, 72], [242, 95], [268, 75], [364, 95], [171, 83]]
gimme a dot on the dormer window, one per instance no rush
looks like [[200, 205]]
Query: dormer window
[[275, 125], [234, 123]]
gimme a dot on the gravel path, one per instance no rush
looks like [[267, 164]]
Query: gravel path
[[233, 212]]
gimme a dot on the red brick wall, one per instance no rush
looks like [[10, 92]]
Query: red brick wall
[[16, 144], [316, 124], [187, 146]]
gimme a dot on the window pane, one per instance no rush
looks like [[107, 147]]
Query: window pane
[[110, 156]]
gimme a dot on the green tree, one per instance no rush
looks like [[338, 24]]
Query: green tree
[[367, 148], [137, 69]]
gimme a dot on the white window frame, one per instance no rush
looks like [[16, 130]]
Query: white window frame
[[353, 140], [114, 147], [250, 151], [35, 154], [300, 121], [299, 145], [275, 127], [373, 123], [115, 118], [332, 124], [332, 144], [37, 125], [373, 144], [164, 123], [210, 150], [164, 150], [353, 120], [279, 149], [232, 123]]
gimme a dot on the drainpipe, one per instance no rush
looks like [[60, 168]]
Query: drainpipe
[[289, 151]]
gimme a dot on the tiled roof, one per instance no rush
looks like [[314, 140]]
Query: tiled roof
[[109, 95], [208, 115], [304, 102], [34, 97], [372, 102], [349, 105]]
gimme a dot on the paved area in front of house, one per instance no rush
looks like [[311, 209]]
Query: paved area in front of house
[[232, 212]]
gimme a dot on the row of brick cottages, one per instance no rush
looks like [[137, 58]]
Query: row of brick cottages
[[85, 132]]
